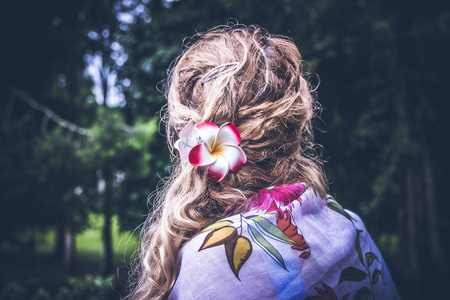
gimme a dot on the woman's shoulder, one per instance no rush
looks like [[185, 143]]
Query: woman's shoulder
[[288, 250], [220, 263]]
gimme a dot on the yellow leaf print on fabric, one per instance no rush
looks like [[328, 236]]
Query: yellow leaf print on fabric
[[217, 225], [238, 251], [218, 237]]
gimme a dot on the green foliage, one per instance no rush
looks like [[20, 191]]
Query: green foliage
[[90, 240], [83, 288]]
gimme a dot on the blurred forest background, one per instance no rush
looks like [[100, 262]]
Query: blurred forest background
[[81, 149]]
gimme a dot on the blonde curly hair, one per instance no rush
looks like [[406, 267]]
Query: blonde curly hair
[[266, 97]]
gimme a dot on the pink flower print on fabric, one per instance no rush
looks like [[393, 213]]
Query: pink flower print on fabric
[[274, 198], [210, 146]]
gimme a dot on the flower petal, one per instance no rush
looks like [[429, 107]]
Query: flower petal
[[208, 132], [228, 134], [201, 156], [189, 137], [177, 145], [187, 130], [219, 169], [234, 155]]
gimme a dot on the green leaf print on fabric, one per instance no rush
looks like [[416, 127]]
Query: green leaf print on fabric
[[267, 247], [358, 246], [376, 274], [370, 257], [352, 274], [334, 205], [363, 294], [327, 293], [270, 229]]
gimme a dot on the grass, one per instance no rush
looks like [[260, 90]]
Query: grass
[[89, 242], [20, 266]]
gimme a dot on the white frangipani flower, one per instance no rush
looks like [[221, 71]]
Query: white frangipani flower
[[215, 148]]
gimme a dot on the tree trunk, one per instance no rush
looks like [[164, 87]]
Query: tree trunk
[[410, 221], [69, 250], [58, 250], [107, 257], [412, 246], [107, 253], [107, 264], [30, 246], [432, 215]]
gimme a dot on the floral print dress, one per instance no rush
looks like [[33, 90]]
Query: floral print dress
[[291, 244]]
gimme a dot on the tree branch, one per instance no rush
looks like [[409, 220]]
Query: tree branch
[[50, 113]]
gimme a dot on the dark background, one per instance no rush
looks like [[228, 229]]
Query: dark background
[[66, 155]]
